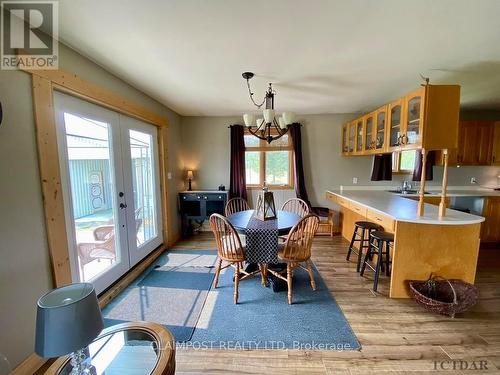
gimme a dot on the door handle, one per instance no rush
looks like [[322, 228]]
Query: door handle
[[123, 205]]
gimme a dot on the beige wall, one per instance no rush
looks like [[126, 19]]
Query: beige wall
[[205, 147], [24, 266]]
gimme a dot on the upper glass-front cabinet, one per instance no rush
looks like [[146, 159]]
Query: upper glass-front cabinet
[[369, 143], [351, 136], [359, 135], [395, 126], [345, 138], [380, 126], [413, 118]]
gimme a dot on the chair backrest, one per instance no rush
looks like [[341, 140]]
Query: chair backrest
[[297, 206], [236, 205], [228, 242], [299, 241]]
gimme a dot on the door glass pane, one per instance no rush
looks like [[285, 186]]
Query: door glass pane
[[252, 167], [344, 139], [395, 125], [359, 136], [368, 134], [413, 126], [145, 215], [277, 167], [92, 187], [351, 138], [379, 141]]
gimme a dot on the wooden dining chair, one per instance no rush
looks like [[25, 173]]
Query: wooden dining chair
[[230, 250], [236, 205], [297, 250], [296, 206]]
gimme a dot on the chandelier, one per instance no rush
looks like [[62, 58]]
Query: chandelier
[[268, 127]]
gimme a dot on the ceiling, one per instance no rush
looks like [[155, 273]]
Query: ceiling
[[323, 56]]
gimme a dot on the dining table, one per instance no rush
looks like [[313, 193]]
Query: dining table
[[262, 238]]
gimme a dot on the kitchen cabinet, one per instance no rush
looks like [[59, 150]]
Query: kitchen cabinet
[[359, 136], [345, 139], [495, 158], [478, 144], [381, 129], [395, 124], [490, 229], [425, 118], [352, 133], [369, 132]]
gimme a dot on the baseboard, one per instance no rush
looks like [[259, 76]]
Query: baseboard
[[173, 239], [29, 366]]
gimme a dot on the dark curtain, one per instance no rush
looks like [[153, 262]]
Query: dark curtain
[[431, 161], [382, 167], [300, 183], [237, 185]]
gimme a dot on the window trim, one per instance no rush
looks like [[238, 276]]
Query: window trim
[[264, 147], [397, 162]]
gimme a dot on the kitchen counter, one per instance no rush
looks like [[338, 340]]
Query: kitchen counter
[[399, 208], [446, 246]]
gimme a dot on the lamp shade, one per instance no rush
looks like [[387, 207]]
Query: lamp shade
[[289, 118], [249, 120], [67, 320], [281, 122], [268, 115], [190, 174]]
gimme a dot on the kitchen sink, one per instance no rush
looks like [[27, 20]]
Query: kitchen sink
[[407, 192]]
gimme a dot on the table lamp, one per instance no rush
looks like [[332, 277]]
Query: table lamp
[[68, 319], [190, 176]]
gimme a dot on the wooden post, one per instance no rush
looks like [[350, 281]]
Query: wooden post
[[421, 206], [442, 204]]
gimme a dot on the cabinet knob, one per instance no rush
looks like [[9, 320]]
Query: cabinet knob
[[220, 196], [198, 197], [184, 198]]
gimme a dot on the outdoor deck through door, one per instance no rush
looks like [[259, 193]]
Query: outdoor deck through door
[[110, 176]]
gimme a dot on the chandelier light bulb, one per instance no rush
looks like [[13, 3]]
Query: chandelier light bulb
[[249, 119]]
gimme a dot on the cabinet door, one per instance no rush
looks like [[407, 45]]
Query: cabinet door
[[381, 128], [352, 133], [485, 142], [467, 143], [495, 159], [490, 229], [369, 143], [395, 124], [413, 118], [359, 135], [345, 139]]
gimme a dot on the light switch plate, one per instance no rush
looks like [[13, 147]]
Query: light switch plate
[[473, 180], [169, 175], [354, 180]]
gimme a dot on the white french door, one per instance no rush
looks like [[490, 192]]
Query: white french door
[[110, 182]]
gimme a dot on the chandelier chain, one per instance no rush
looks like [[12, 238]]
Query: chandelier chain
[[251, 96]]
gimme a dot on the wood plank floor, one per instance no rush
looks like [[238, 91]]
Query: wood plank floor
[[397, 336]]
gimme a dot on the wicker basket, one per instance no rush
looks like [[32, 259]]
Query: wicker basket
[[442, 296]]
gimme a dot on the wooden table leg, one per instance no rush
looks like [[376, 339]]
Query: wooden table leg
[[263, 273]]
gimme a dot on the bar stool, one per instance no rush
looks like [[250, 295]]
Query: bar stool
[[379, 245], [366, 228]]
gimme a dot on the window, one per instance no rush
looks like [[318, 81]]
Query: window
[[403, 161], [269, 163]]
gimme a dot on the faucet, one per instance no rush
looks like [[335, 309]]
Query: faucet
[[405, 186]]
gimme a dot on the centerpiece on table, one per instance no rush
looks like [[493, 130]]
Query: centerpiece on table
[[266, 209]]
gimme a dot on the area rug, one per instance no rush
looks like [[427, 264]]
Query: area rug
[[177, 292], [264, 319], [171, 292]]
